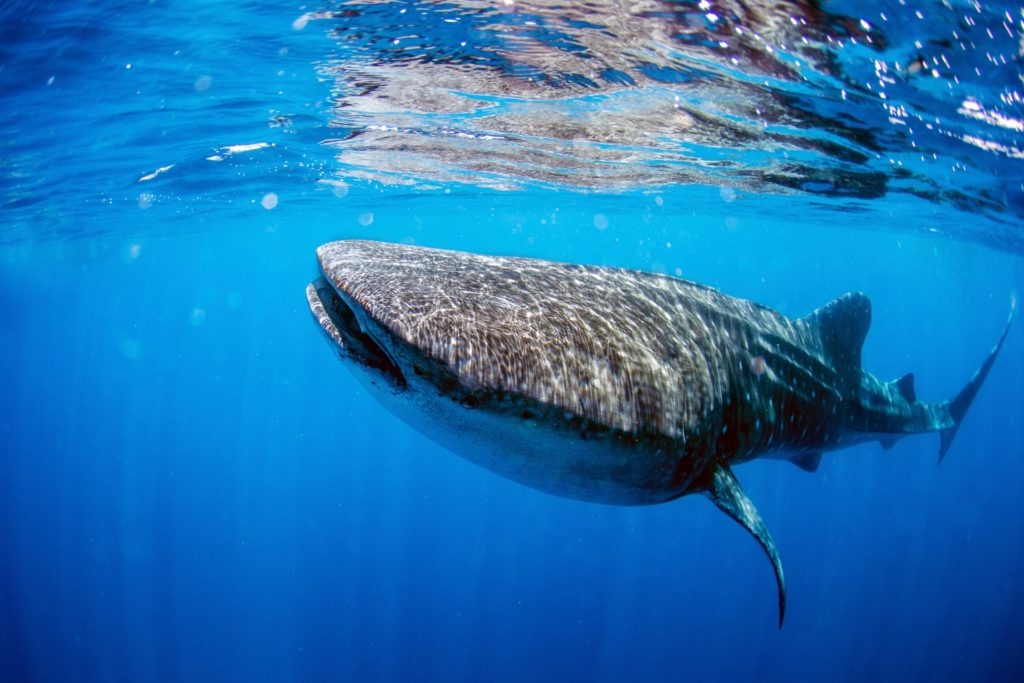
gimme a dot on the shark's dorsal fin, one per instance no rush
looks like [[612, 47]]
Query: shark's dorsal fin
[[905, 385], [808, 462], [725, 492], [842, 326]]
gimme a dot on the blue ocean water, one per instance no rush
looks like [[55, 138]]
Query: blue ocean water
[[193, 489]]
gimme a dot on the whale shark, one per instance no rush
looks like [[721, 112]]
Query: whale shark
[[610, 385]]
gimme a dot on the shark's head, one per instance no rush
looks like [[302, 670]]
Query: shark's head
[[379, 306]]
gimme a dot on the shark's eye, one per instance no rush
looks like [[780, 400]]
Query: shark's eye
[[470, 401]]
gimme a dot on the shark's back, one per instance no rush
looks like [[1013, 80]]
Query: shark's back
[[634, 351]]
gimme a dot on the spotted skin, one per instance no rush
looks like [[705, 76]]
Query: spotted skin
[[605, 384]]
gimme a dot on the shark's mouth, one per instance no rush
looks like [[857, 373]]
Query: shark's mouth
[[341, 324]]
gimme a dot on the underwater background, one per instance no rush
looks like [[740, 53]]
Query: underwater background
[[192, 488]]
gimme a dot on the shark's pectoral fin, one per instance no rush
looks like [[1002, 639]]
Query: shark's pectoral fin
[[726, 493], [808, 462]]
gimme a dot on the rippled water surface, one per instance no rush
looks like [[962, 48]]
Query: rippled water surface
[[850, 106], [193, 489]]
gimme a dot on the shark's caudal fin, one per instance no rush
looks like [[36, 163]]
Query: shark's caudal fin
[[959, 405], [725, 492]]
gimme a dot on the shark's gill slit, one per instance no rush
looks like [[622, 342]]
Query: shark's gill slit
[[360, 345]]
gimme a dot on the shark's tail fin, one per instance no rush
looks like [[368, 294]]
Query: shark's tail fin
[[959, 405]]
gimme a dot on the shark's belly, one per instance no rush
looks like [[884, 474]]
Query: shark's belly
[[547, 457]]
